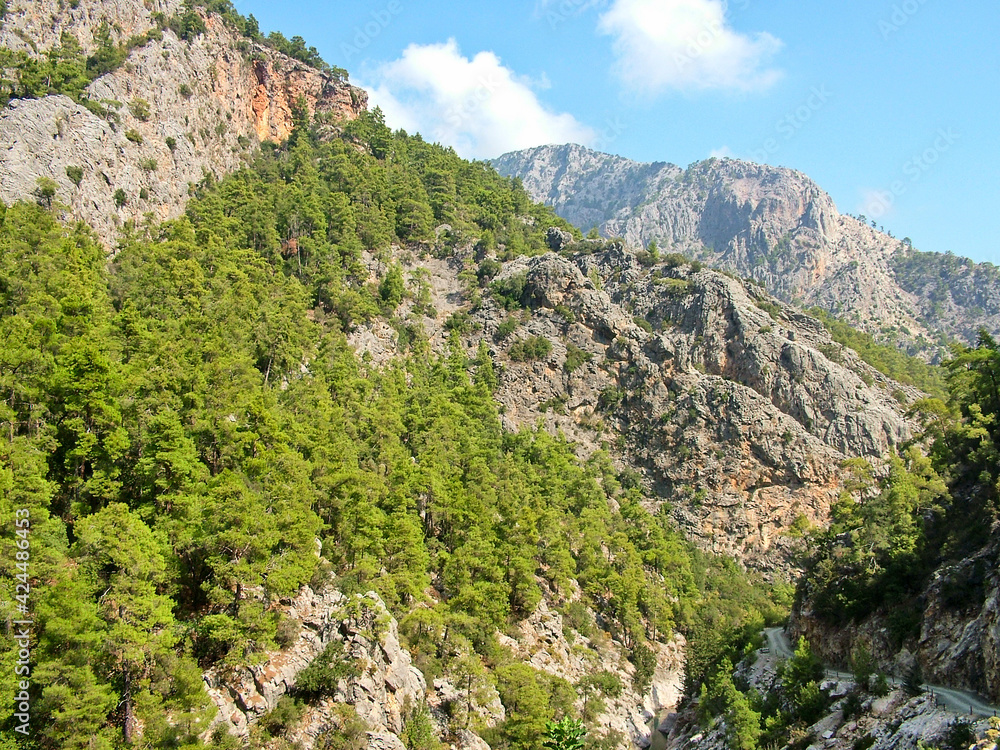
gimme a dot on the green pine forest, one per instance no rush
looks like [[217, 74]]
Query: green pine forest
[[185, 421]]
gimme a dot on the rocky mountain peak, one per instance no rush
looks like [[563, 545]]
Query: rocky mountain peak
[[216, 96], [773, 225]]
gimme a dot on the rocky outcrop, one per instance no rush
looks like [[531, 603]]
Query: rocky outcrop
[[958, 640], [893, 722], [382, 686], [213, 99], [771, 224], [545, 642], [734, 408], [737, 409]]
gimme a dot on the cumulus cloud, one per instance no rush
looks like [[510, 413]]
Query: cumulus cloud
[[686, 45], [478, 106]]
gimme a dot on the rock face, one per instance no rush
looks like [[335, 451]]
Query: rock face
[[541, 641], [735, 407], [384, 685], [959, 633], [893, 722], [214, 99], [770, 224]]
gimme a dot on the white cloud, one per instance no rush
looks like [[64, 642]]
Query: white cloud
[[686, 45], [722, 153], [478, 106]]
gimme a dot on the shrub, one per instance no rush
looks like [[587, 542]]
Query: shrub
[[510, 291], [75, 175], [148, 165], [565, 313], [140, 109], [487, 270], [643, 324], [507, 327], [45, 189], [133, 135], [185, 91], [320, 678], [120, 198], [770, 308], [171, 142], [575, 357], [610, 396], [674, 287], [283, 717], [460, 321], [530, 349]]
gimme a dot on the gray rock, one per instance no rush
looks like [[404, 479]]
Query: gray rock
[[771, 224], [385, 684], [741, 426], [236, 102]]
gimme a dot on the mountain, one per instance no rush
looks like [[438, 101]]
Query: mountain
[[775, 226], [316, 435], [166, 108]]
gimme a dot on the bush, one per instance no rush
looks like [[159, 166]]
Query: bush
[[507, 327], [961, 736], [171, 143], [643, 324], [487, 270], [187, 25], [75, 175], [148, 165], [282, 717], [461, 322], [140, 109], [119, 197], [674, 287], [320, 678], [133, 135], [185, 91], [565, 313], [770, 308], [510, 291], [45, 189], [530, 349], [852, 706], [610, 397], [575, 357]]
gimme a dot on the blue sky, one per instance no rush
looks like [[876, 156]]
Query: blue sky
[[892, 106]]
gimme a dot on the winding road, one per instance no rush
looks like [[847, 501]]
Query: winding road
[[958, 701]]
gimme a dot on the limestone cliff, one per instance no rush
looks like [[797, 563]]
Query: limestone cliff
[[382, 687], [773, 225], [733, 408], [956, 639], [177, 111]]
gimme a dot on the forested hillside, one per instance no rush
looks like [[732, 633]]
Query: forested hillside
[[320, 436], [187, 428]]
